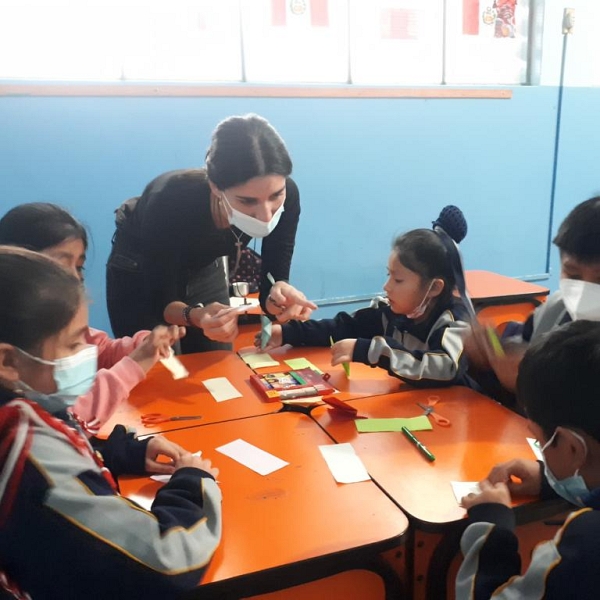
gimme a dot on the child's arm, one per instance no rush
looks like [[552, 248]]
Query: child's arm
[[111, 351], [444, 362], [363, 323]]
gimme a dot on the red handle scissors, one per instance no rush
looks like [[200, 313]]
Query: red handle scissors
[[430, 411], [150, 419]]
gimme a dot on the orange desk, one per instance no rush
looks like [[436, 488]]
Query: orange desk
[[499, 299], [364, 380], [293, 525], [159, 392], [482, 434]]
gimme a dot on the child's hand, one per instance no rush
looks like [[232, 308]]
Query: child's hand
[[527, 471], [157, 345], [218, 322], [287, 303], [160, 446], [476, 347], [342, 351], [490, 492], [190, 460], [275, 340]]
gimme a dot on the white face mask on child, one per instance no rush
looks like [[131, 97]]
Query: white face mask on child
[[581, 299], [420, 310], [251, 226]]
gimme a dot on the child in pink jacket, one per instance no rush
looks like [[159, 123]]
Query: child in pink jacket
[[123, 362]]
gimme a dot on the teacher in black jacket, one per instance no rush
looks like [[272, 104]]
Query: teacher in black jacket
[[166, 262]]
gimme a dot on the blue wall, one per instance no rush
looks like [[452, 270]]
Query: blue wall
[[367, 170]]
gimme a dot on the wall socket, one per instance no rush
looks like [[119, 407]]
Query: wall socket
[[568, 21]]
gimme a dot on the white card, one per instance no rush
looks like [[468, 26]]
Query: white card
[[221, 389], [344, 463], [537, 449], [165, 478], [250, 302], [464, 488], [252, 457], [175, 366]]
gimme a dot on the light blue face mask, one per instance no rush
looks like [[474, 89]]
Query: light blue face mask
[[573, 489], [73, 375]]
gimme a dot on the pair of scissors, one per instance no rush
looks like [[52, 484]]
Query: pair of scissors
[[150, 419], [430, 411]]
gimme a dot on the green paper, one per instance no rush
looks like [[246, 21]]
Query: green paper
[[421, 423], [265, 331], [301, 363]]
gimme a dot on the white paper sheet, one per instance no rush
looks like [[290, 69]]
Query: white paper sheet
[[165, 478], [252, 457], [221, 389], [464, 488], [344, 463], [250, 302], [175, 366]]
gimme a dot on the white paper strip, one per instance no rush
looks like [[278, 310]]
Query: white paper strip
[[252, 457], [165, 478], [175, 366], [464, 488]]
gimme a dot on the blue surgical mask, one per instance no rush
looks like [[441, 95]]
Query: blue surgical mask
[[73, 375], [573, 489], [251, 226]]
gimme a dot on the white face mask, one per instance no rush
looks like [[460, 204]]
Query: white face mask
[[420, 310], [250, 225], [573, 489], [581, 298]]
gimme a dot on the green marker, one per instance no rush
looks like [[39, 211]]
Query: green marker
[[422, 449], [495, 342]]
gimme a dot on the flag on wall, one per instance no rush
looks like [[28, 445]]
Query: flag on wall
[[470, 17], [318, 10]]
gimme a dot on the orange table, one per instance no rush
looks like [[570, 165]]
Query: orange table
[[363, 381], [159, 392], [482, 433], [499, 299], [293, 525]]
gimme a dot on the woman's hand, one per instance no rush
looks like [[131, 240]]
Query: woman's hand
[[275, 340], [526, 471], [490, 492], [156, 346], [287, 303], [219, 322], [160, 446], [342, 351]]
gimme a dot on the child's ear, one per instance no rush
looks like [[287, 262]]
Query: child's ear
[[575, 451], [437, 288], [9, 371]]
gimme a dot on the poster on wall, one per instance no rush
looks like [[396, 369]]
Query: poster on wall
[[487, 41]]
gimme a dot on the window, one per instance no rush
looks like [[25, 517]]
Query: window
[[365, 42]]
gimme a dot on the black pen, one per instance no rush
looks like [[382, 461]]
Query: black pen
[[418, 444]]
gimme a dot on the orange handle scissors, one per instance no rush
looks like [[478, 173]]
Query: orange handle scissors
[[430, 411], [150, 419]]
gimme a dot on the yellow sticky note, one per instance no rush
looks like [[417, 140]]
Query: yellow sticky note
[[258, 360], [421, 423], [301, 363]]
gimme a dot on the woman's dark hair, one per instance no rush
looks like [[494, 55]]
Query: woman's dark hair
[[40, 225], [243, 148], [422, 251], [558, 379], [579, 233], [39, 298]]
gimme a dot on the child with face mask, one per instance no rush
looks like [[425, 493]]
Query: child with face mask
[[64, 530], [578, 297], [123, 362], [416, 332], [556, 385]]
